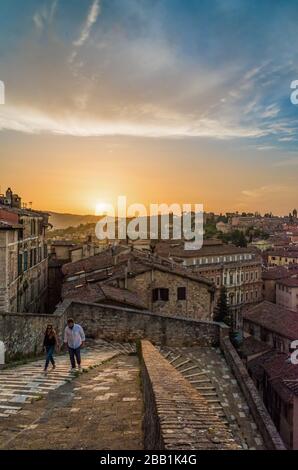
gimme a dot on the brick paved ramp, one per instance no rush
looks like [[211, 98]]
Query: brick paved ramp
[[101, 409]]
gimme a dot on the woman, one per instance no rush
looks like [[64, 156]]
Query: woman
[[49, 343]]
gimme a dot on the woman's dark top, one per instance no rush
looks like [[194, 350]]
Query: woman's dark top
[[49, 340]]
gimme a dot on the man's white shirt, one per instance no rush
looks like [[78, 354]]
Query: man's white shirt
[[74, 337]]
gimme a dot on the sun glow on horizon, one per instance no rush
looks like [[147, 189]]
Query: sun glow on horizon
[[103, 208]]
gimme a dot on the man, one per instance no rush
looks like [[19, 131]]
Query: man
[[74, 337]]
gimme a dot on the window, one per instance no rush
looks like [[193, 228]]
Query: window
[[264, 335], [160, 294], [181, 293], [20, 263], [25, 261]]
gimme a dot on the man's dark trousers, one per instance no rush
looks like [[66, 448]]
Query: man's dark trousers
[[75, 354]]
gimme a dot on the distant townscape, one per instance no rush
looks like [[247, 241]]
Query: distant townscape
[[220, 322]]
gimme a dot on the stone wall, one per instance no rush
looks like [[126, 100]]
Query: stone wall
[[258, 410], [123, 324], [199, 298], [23, 334]]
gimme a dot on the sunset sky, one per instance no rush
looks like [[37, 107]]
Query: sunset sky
[[169, 101]]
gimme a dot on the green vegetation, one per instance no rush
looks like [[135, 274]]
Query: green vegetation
[[222, 311], [236, 237]]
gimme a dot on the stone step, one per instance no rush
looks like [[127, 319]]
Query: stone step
[[188, 368], [208, 394], [198, 374], [175, 359], [203, 381], [205, 388], [182, 364]]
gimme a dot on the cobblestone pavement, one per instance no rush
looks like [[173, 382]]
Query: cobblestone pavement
[[209, 373], [101, 409]]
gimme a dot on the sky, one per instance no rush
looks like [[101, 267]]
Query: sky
[[164, 101]]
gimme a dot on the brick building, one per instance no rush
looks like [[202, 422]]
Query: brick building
[[238, 269], [23, 257], [159, 285]]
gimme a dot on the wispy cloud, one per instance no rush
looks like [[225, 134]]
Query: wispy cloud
[[45, 15], [92, 16], [287, 162], [34, 122]]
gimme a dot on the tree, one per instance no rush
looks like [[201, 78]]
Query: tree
[[222, 311]]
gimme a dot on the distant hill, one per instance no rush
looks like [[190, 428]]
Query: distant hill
[[62, 221]]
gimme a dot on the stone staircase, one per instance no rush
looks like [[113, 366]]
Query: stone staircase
[[198, 377], [207, 371]]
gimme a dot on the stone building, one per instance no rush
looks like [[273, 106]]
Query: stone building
[[283, 257], [161, 286], [269, 332], [287, 293], [272, 324], [238, 269], [60, 253], [23, 257], [270, 277], [276, 379]]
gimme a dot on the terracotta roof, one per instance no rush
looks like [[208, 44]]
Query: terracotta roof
[[276, 273], [290, 282], [95, 293], [206, 250], [284, 253], [105, 267], [92, 263], [27, 212], [251, 346], [8, 225], [282, 375], [274, 318]]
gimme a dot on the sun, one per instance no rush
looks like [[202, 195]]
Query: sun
[[102, 208]]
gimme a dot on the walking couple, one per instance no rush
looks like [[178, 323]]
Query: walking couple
[[74, 338]]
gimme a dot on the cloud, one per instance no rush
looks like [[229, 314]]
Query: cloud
[[287, 162], [93, 13], [271, 111], [45, 16], [261, 192], [33, 122]]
